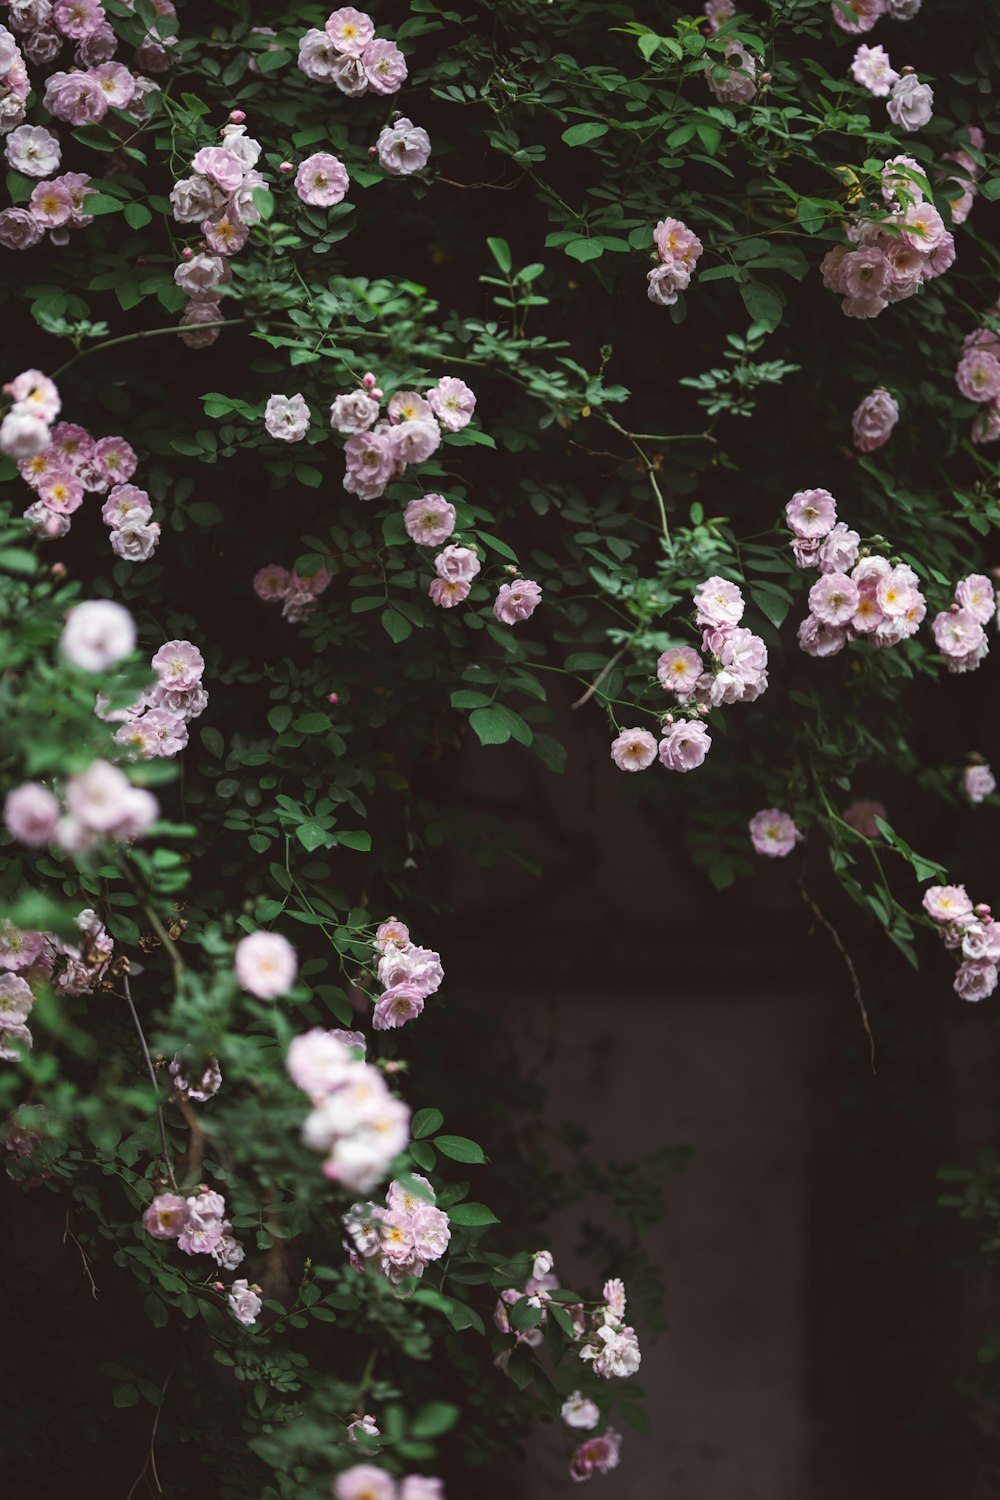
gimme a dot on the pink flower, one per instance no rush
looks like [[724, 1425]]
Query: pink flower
[[718, 602], [77, 19], [414, 440], [446, 594], [115, 460], [457, 564], [287, 418], [135, 541], [408, 406], [318, 1062], [16, 1001], [860, 15], [958, 634], [452, 402], [979, 782], [633, 750], [975, 979], [665, 282], [911, 104], [265, 964], [125, 502], [977, 595], [271, 582], [19, 230], [201, 276], [678, 670], [598, 1455], [318, 55], [384, 65], [579, 1411], [226, 235], [421, 1487], [244, 1302], [401, 1003], [321, 180], [978, 375], [166, 1216], [923, 227], [365, 1482], [178, 664], [98, 634], [76, 98], [865, 273], [403, 148], [354, 413], [391, 934], [420, 967], [61, 491], [30, 813], [194, 199], [947, 903], [773, 833], [873, 420], [517, 601], [430, 520], [838, 552], [872, 69], [222, 168], [734, 79], [678, 245], [685, 746], [818, 639], [51, 205], [350, 30], [834, 599], [33, 150], [371, 459]]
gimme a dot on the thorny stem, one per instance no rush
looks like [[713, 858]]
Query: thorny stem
[[852, 971], [167, 1161]]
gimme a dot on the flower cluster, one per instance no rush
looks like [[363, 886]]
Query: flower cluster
[[873, 420], [408, 973], [201, 278], [960, 630], [679, 248], [773, 833], [26, 430], [971, 931], [298, 595], [100, 803], [403, 148], [536, 1292], [732, 78], [378, 451], [355, 1120], [367, 1482], [871, 598], [198, 1223], [157, 723], [612, 1346], [30, 960], [348, 54], [883, 267], [978, 379], [406, 1235]]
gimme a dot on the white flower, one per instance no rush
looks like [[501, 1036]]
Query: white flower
[[33, 150], [579, 1411], [98, 634], [265, 964]]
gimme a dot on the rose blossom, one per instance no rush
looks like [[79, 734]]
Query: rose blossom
[[135, 541], [873, 420], [857, 15], [97, 634], [271, 582], [733, 80], [633, 750], [598, 1455], [166, 1216], [975, 979], [51, 205], [384, 65], [321, 180], [287, 418], [834, 599], [414, 965], [126, 502], [517, 601], [718, 602], [978, 375], [178, 664], [354, 413], [430, 520], [773, 833], [226, 236], [685, 746], [222, 168], [371, 462], [677, 244], [265, 964], [403, 148], [413, 441], [457, 564], [194, 199], [911, 103], [350, 30], [678, 670], [19, 230], [33, 150], [579, 1411], [977, 595], [399, 1004], [16, 1001], [30, 813], [244, 1302], [959, 635], [452, 402], [421, 1487], [872, 69], [665, 282], [364, 1482], [193, 317], [201, 276], [979, 782], [838, 552], [76, 98], [947, 903], [446, 594]]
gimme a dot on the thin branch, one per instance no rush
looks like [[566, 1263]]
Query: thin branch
[[608, 665], [852, 971], [168, 1163], [196, 1150], [83, 1256], [151, 1455]]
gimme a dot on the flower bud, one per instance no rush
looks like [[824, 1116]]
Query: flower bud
[[237, 116], [285, 166]]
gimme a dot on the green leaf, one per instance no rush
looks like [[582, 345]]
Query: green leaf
[[490, 725], [472, 1214], [772, 601], [425, 1122], [590, 130], [524, 1316], [763, 303], [584, 250], [312, 723], [500, 250], [279, 718], [459, 1148], [137, 215], [355, 838], [423, 1155], [396, 626], [124, 1395], [213, 742], [97, 204], [436, 1418]]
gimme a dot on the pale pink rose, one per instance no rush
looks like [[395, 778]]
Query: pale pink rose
[[614, 1298], [838, 551], [371, 458], [362, 1428], [457, 564], [204, 1086], [865, 273], [61, 491], [271, 582], [126, 502], [733, 80], [947, 903], [354, 413], [244, 1302], [413, 441], [348, 75], [811, 514], [198, 1239], [19, 230], [420, 967], [834, 599], [619, 1355], [399, 1004], [135, 541], [979, 782], [226, 235], [431, 1232], [857, 16], [978, 375], [76, 98], [24, 434], [981, 940], [819, 639], [287, 418], [350, 30], [861, 816], [872, 69], [899, 182], [684, 746], [201, 276], [321, 180], [633, 750], [452, 402], [677, 244], [384, 65], [403, 148], [517, 601], [678, 670], [923, 227], [318, 55], [194, 199], [77, 19], [421, 1487], [579, 1411], [665, 282], [97, 634], [895, 590], [975, 979], [446, 594], [51, 205], [958, 633], [391, 934], [265, 964], [773, 833], [873, 420], [30, 813], [717, 12], [34, 394], [718, 602], [166, 1216], [115, 459], [977, 595], [911, 103], [941, 259], [33, 150], [116, 82], [430, 520], [16, 1001], [178, 664], [319, 1062], [598, 1455], [222, 168], [365, 1482]]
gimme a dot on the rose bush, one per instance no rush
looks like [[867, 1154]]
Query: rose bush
[[500, 480]]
